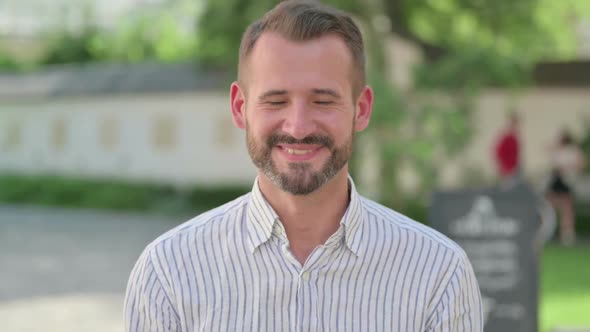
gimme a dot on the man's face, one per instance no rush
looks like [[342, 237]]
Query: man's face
[[302, 173], [299, 112]]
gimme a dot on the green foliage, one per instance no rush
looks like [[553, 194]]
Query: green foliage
[[221, 27], [511, 28], [48, 190], [210, 198], [473, 69], [165, 35], [150, 36], [584, 143], [69, 192], [222, 24], [64, 47], [557, 20], [417, 130], [389, 105], [112, 195], [582, 219], [526, 30], [8, 63]]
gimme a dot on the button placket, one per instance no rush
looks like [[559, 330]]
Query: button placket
[[305, 276], [306, 303], [308, 316]]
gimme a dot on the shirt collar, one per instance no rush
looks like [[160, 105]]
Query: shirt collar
[[353, 220], [262, 218]]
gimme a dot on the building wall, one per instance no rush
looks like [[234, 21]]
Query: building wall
[[187, 139], [182, 139]]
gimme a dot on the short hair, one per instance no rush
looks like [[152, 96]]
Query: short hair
[[301, 20]]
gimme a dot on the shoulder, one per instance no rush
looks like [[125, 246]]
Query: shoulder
[[399, 227], [175, 250], [201, 226]]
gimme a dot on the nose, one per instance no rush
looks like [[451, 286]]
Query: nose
[[299, 122]]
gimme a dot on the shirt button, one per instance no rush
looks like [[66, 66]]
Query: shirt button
[[305, 276]]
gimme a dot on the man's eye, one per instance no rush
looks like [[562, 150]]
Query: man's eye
[[276, 103], [323, 102]]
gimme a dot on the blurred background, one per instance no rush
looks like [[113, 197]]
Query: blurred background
[[115, 126]]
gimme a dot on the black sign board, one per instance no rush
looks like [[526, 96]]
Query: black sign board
[[496, 228]]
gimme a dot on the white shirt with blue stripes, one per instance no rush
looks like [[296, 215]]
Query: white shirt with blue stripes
[[230, 269]]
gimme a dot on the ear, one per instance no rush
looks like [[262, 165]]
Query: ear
[[364, 107], [238, 105]]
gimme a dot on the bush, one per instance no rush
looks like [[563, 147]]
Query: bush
[[111, 195], [209, 198], [70, 192], [582, 221], [64, 47], [8, 63]]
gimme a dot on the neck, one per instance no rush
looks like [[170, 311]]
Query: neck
[[309, 220]]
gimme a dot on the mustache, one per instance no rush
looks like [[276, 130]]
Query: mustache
[[276, 139]]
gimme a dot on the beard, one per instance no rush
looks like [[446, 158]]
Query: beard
[[300, 179]]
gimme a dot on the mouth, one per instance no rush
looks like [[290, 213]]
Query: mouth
[[299, 152]]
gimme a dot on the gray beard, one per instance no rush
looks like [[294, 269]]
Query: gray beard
[[300, 179]]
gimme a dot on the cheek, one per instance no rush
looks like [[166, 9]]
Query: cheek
[[258, 132], [262, 124], [338, 126]]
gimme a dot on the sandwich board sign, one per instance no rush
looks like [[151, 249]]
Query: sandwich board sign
[[497, 229]]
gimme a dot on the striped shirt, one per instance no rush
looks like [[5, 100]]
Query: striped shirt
[[230, 269]]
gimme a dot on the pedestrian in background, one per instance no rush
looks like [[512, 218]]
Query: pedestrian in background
[[567, 161], [507, 152]]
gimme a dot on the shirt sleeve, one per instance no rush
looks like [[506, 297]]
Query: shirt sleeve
[[460, 307], [147, 305]]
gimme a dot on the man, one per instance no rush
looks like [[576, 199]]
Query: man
[[303, 251]]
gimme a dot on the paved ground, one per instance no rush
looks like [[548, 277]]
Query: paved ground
[[64, 270]]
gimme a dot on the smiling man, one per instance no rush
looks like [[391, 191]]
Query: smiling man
[[303, 251]]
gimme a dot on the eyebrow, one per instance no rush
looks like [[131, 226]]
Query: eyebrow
[[329, 92], [271, 93]]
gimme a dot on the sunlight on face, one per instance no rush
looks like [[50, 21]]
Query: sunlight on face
[[300, 111]]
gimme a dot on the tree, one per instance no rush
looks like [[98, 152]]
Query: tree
[[222, 23], [160, 34]]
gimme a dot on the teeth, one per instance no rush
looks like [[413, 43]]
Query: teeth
[[297, 152]]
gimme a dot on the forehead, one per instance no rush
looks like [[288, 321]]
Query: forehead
[[279, 63]]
